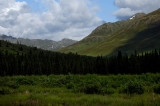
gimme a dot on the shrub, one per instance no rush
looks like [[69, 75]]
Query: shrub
[[51, 82], [5, 90], [108, 91], [156, 89], [12, 84], [92, 89], [88, 87], [25, 81], [132, 87], [70, 85]]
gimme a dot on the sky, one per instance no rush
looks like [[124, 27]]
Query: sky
[[104, 13], [58, 19]]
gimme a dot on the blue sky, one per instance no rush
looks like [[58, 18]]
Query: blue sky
[[35, 6], [107, 8]]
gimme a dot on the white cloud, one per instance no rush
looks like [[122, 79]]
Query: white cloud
[[63, 19], [130, 7]]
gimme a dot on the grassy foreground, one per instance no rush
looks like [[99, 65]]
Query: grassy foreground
[[126, 90]]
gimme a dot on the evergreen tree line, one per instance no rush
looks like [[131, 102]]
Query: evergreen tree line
[[39, 62]]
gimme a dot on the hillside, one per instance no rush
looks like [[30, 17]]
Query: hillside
[[97, 36], [137, 33], [43, 44]]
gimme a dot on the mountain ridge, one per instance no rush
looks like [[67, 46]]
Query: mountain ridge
[[39, 43], [120, 38]]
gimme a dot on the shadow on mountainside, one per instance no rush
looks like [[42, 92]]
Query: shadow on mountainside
[[145, 40]]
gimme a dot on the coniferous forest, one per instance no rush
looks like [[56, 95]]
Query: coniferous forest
[[21, 60]]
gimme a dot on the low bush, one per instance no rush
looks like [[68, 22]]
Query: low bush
[[25, 81], [108, 91], [156, 89], [88, 87], [12, 84], [92, 89], [132, 87], [89, 84], [5, 90], [70, 85]]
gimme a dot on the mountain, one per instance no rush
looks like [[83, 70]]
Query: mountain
[[140, 32], [138, 15], [97, 36], [43, 44]]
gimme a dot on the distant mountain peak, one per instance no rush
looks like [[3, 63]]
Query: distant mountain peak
[[138, 15], [6, 37], [67, 39], [43, 44], [132, 17]]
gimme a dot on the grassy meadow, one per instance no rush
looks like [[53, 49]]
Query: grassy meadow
[[86, 90]]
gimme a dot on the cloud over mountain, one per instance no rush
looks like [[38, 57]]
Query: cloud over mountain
[[61, 19], [131, 7]]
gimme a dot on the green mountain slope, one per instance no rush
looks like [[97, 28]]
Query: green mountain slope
[[140, 34], [97, 36]]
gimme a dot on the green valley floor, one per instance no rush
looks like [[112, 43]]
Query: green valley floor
[[81, 90]]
